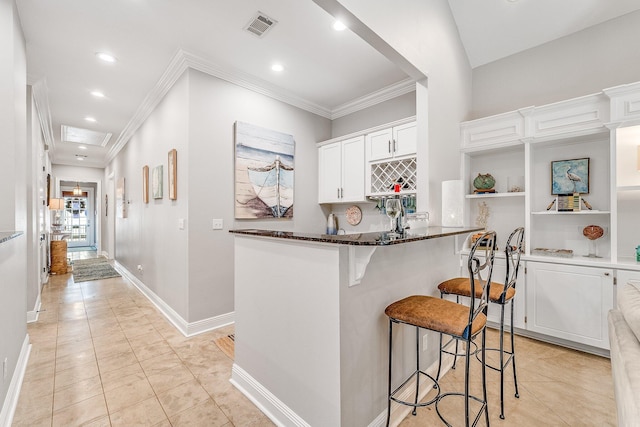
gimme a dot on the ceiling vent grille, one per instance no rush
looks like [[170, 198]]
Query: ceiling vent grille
[[260, 24]]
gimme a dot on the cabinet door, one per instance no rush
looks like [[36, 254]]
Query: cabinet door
[[353, 170], [329, 172], [380, 145], [405, 140], [569, 302], [493, 314]]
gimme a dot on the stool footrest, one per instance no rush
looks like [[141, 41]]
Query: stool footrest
[[477, 399], [416, 375], [506, 362]]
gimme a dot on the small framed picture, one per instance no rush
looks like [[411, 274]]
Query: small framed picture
[[145, 184], [570, 176], [173, 172]]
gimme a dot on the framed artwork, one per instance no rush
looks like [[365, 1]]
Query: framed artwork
[[570, 176], [48, 188], [156, 182], [106, 205], [145, 184], [121, 202], [173, 172], [264, 173]]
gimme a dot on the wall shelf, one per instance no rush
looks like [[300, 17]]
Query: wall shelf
[[585, 212], [495, 195]]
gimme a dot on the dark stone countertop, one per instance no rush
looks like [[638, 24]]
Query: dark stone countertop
[[361, 239], [5, 236]]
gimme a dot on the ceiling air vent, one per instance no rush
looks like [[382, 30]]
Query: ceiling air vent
[[260, 24]]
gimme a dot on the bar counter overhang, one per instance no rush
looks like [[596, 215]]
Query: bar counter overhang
[[310, 330]]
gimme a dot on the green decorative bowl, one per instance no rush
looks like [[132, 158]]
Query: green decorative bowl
[[484, 182]]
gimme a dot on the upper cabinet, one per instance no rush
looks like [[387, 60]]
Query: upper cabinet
[[341, 171], [392, 142], [366, 164]]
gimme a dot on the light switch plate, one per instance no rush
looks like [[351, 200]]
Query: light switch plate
[[217, 224], [181, 223]]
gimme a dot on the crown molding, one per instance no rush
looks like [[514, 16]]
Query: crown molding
[[182, 61], [39, 91], [366, 101]]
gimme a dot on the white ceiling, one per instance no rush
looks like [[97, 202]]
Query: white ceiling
[[494, 29], [325, 70]]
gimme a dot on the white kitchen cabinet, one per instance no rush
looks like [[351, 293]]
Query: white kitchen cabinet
[[341, 171], [499, 276], [569, 302], [393, 142]]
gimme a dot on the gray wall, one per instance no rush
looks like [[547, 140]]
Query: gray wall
[[13, 178], [192, 269], [149, 235], [579, 64], [389, 111]]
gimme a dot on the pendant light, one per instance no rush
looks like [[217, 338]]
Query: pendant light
[[77, 191]]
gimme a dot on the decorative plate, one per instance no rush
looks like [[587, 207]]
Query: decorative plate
[[354, 215]]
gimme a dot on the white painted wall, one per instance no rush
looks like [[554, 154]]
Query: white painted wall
[[13, 177], [579, 64]]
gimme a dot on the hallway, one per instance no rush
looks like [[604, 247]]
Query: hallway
[[103, 355]]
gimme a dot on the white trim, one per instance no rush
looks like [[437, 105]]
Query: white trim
[[39, 91], [187, 329], [270, 405], [392, 91], [182, 60], [13, 393], [32, 316]]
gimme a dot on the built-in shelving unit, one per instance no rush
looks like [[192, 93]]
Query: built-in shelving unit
[[519, 146]]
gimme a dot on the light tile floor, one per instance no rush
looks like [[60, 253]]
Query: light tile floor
[[102, 355]]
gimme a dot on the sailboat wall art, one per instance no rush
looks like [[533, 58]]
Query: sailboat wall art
[[264, 173]]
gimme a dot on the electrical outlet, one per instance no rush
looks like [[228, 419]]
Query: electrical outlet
[[140, 267], [425, 342], [217, 224]]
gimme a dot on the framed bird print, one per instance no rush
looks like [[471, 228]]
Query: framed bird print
[[570, 176]]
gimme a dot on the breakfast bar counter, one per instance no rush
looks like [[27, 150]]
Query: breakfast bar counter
[[310, 330]]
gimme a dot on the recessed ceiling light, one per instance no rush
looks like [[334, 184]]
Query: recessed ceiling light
[[339, 26], [106, 57], [90, 119], [277, 67], [82, 147], [97, 94]]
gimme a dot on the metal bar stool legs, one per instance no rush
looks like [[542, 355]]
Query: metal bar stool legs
[[391, 394]]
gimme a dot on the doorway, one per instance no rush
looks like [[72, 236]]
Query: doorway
[[79, 219]]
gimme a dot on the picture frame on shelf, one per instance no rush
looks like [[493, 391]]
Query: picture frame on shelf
[[570, 176]]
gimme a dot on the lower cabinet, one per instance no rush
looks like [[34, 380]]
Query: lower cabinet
[[493, 312], [569, 302]]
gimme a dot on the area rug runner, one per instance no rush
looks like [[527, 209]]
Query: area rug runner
[[227, 345], [96, 270]]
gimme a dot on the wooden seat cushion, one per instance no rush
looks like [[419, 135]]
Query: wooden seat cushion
[[436, 314], [460, 286]]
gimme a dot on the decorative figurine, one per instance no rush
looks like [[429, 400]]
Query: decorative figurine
[[484, 183]]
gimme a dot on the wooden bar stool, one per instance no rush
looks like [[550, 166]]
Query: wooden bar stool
[[447, 317], [501, 294]]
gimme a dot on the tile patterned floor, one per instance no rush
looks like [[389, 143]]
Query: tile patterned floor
[[103, 355]]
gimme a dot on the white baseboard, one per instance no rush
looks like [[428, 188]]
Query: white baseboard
[[187, 329], [270, 405], [32, 316], [13, 393]]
